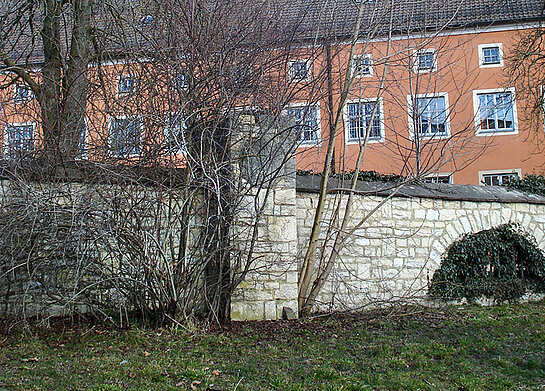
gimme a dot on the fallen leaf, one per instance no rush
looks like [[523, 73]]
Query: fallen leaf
[[194, 384], [30, 359]]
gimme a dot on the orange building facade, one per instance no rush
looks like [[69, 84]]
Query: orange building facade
[[445, 109], [438, 106]]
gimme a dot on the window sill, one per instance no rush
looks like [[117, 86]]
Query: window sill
[[427, 70], [357, 142], [365, 75], [498, 65], [309, 144], [127, 156], [485, 133], [434, 136]]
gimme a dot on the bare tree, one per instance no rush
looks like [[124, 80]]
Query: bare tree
[[406, 66], [526, 71], [174, 99], [66, 31]]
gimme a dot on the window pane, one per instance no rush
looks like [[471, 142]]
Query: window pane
[[175, 134], [20, 140], [125, 136], [374, 125], [22, 93], [306, 122], [126, 85], [82, 142], [299, 70], [496, 111], [437, 179], [432, 116], [359, 120], [499, 179], [491, 55], [362, 65], [425, 60]]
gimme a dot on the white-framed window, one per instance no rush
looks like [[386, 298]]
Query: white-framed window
[[498, 177], [490, 55], [424, 60], [299, 70], [126, 85], [175, 131], [429, 115], [22, 93], [495, 111], [543, 104], [438, 178], [124, 138], [19, 139], [362, 65], [307, 122], [358, 121], [181, 80], [82, 144]]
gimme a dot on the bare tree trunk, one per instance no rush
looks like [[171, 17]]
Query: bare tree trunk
[[342, 234], [307, 267], [50, 99], [75, 83]]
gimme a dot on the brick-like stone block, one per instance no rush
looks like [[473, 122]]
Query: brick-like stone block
[[284, 196]]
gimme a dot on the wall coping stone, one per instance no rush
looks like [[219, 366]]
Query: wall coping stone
[[310, 183]]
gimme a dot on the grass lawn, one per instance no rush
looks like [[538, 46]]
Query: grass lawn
[[499, 348]]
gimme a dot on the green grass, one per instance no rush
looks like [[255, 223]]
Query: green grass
[[498, 348]]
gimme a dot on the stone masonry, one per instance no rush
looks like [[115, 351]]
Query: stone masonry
[[269, 207], [392, 256]]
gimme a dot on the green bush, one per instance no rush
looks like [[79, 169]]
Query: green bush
[[371, 176], [534, 184], [501, 263]]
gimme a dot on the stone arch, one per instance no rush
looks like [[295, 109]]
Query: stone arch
[[472, 217]]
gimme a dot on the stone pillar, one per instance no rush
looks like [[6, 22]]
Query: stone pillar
[[267, 213]]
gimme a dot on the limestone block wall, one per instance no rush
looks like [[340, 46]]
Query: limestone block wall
[[390, 256], [271, 284], [264, 232], [394, 254]]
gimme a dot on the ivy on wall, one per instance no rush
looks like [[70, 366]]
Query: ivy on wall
[[501, 263], [370, 176], [534, 184]]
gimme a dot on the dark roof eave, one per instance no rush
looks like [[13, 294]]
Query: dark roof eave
[[459, 26], [446, 192]]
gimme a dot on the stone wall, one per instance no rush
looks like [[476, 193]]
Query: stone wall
[[393, 254], [271, 285], [265, 226]]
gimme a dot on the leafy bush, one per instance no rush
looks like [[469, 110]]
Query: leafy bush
[[365, 176], [371, 176], [501, 263], [531, 183]]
